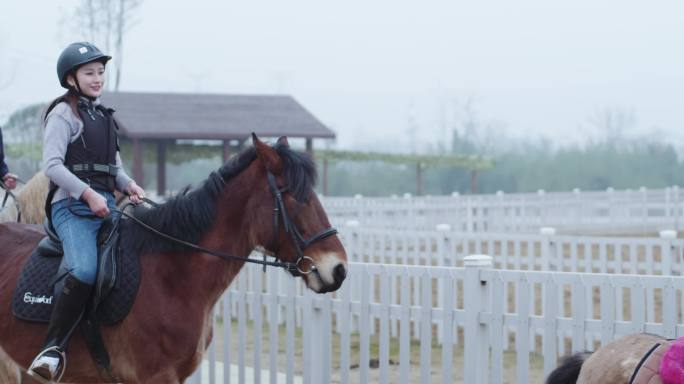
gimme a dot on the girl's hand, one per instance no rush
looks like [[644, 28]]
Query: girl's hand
[[96, 202], [10, 180], [135, 193]]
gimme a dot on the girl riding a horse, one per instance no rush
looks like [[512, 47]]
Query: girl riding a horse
[[81, 158]]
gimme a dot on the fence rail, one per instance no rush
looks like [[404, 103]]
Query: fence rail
[[584, 212], [546, 250]]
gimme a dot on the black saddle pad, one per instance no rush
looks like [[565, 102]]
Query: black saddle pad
[[34, 295]]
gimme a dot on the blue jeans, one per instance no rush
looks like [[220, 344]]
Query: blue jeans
[[77, 227]]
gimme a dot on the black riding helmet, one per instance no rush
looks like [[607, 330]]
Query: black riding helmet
[[75, 55]]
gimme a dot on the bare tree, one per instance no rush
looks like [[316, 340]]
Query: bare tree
[[105, 22], [612, 124], [6, 76], [412, 129], [472, 134], [5, 81]]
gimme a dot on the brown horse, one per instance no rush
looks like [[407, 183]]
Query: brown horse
[[613, 363], [169, 326]]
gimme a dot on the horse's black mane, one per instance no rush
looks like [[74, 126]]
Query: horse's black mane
[[188, 215]]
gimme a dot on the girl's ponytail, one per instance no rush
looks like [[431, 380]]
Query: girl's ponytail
[[70, 97]]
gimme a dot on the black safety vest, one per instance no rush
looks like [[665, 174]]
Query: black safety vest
[[92, 156]]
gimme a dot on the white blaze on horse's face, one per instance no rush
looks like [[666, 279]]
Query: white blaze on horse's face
[[330, 271]]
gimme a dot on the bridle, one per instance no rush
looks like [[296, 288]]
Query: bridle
[[279, 211], [299, 242]]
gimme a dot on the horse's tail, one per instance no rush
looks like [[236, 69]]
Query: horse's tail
[[31, 200], [569, 369]]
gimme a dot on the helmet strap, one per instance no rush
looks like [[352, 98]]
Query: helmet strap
[[78, 88]]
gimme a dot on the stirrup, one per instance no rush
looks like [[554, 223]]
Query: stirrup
[[61, 365]]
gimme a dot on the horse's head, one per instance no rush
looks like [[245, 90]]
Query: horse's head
[[293, 225]]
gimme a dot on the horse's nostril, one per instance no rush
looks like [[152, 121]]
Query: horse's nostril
[[339, 273]]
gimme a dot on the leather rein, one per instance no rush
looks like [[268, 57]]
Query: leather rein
[[280, 211]]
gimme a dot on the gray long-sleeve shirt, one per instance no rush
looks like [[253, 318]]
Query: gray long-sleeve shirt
[[62, 127]]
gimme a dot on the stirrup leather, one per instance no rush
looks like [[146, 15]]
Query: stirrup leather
[[61, 367]]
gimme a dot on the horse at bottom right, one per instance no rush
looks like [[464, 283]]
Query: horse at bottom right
[[634, 359]]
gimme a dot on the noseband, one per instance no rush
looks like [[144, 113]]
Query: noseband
[[299, 242], [279, 211]]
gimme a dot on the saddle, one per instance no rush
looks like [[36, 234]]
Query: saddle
[[41, 279], [114, 292], [662, 364]]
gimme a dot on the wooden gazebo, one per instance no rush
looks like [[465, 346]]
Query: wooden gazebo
[[162, 118]]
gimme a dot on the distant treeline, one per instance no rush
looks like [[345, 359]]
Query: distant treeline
[[617, 163], [594, 167]]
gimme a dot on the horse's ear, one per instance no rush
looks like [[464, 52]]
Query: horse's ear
[[282, 140], [268, 156]]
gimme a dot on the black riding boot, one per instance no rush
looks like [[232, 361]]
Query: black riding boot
[[50, 363]]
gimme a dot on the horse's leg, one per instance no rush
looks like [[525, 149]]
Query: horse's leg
[[615, 362], [168, 377]]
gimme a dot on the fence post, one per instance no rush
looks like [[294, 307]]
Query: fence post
[[578, 213], [666, 252], [668, 204], [443, 259], [501, 222], [611, 207], [444, 245], [410, 207], [644, 207], [675, 207], [548, 258], [470, 225], [356, 255], [316, 340], [353, 240], [476, 362], [541, 205], [457, 204]]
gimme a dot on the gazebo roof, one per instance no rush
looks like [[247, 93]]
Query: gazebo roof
[[212, 116]]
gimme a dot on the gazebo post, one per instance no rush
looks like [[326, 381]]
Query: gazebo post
[[161, 167], [226, 150], [229, 150], [309, 146], [325, 176], [473, 181], [137, 163], [419, 179]]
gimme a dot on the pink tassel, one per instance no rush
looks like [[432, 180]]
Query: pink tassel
[[672, 364]]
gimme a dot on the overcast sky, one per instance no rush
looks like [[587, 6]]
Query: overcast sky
[[369, 69]]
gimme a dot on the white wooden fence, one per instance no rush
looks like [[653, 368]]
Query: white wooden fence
[[482, 312], [545, 251], [577, 211]]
